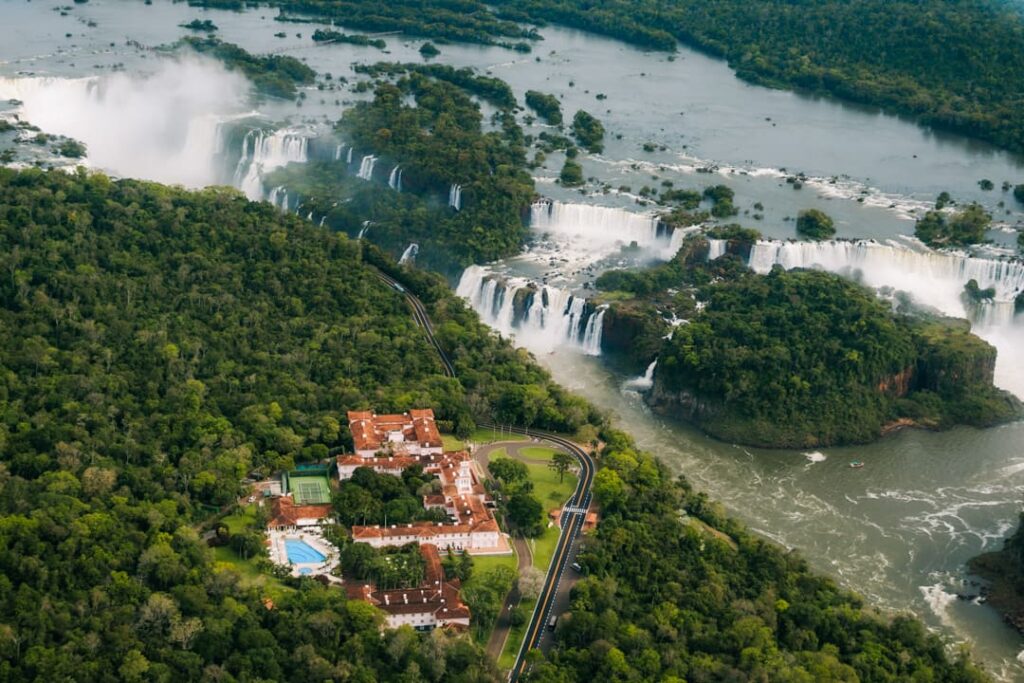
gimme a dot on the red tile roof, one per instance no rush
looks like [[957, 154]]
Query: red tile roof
[[284, 512], [370, 431]]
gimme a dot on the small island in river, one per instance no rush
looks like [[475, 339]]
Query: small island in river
[[796, 358]]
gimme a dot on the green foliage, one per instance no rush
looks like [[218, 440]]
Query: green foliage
[[963, 228], [572, 174], [1018, 193], [525, 513], [945, 63], [200, 25], [429, 50], [72, 149], [274, 75], [815, 224], [721, 197], [368, 498], [328, 36], [547, 106], [457, 20], [588, 131], [387, 568], [805, 358], [493, 90], [507, 470], [675, 590]]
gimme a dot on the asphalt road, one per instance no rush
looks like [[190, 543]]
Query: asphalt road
[[573, 514]]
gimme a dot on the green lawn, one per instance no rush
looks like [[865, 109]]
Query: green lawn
[[543, 547], [537, 452], [481, 436], [452, 443], [485, 563], [546, 487], [226, 558], [242, 518]]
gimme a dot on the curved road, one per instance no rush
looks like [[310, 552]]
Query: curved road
[[573, 514]]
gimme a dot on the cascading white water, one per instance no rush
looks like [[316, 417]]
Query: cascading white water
[[932, 278], [164, 126], [645, 381], [362, 230], [366, 167], [604, 227], [455, 197], [263, 152], [395, 179], [338, 150], [279, 197], [716, 248], [409, 255], [547, 317], [323, 219], [348, 158]]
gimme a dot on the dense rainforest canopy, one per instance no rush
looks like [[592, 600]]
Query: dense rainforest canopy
[[795, 358], [157, 345], [676, 591]]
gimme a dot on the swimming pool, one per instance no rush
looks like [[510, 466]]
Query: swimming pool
[[300, 552]]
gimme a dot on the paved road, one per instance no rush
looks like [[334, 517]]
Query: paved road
[[573, 514]]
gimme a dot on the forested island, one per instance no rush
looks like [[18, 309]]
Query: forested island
[[798, 358], [158, 344], [1003, 571]]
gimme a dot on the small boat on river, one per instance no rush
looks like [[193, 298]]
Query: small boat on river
[[856, 464]]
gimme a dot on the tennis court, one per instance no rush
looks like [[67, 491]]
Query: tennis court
[[309, 490]]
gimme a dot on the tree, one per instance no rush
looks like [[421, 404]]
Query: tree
[[561, 462], [571, 175], [526, 514], [963, 228], [530, 583], [507, 470], [815, 224], [609, 489], [588, 131]]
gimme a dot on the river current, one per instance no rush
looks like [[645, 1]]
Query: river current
[[897, 531]]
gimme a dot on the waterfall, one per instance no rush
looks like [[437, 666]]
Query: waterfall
[[716, 248], [322, 220], [279, 197], [455, 197], [604, 226], [262, 153], [643, 383], [348, 159], [932, 278], [309, 217], [362, 230], [409, 255], [366, 167], [338, 150], [539, 316], [395, 179]]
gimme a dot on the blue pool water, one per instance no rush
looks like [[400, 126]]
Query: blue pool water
[[300, 552]]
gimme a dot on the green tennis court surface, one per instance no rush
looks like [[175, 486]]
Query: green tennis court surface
[[310, 490]]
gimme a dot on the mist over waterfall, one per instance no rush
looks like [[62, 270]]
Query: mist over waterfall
[[645, 381], [262, 152], [455, 197], [605, 227], [366, 167], [932, 278], [164, 126], [539, 316]]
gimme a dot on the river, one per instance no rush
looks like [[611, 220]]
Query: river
[[897, 531]]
